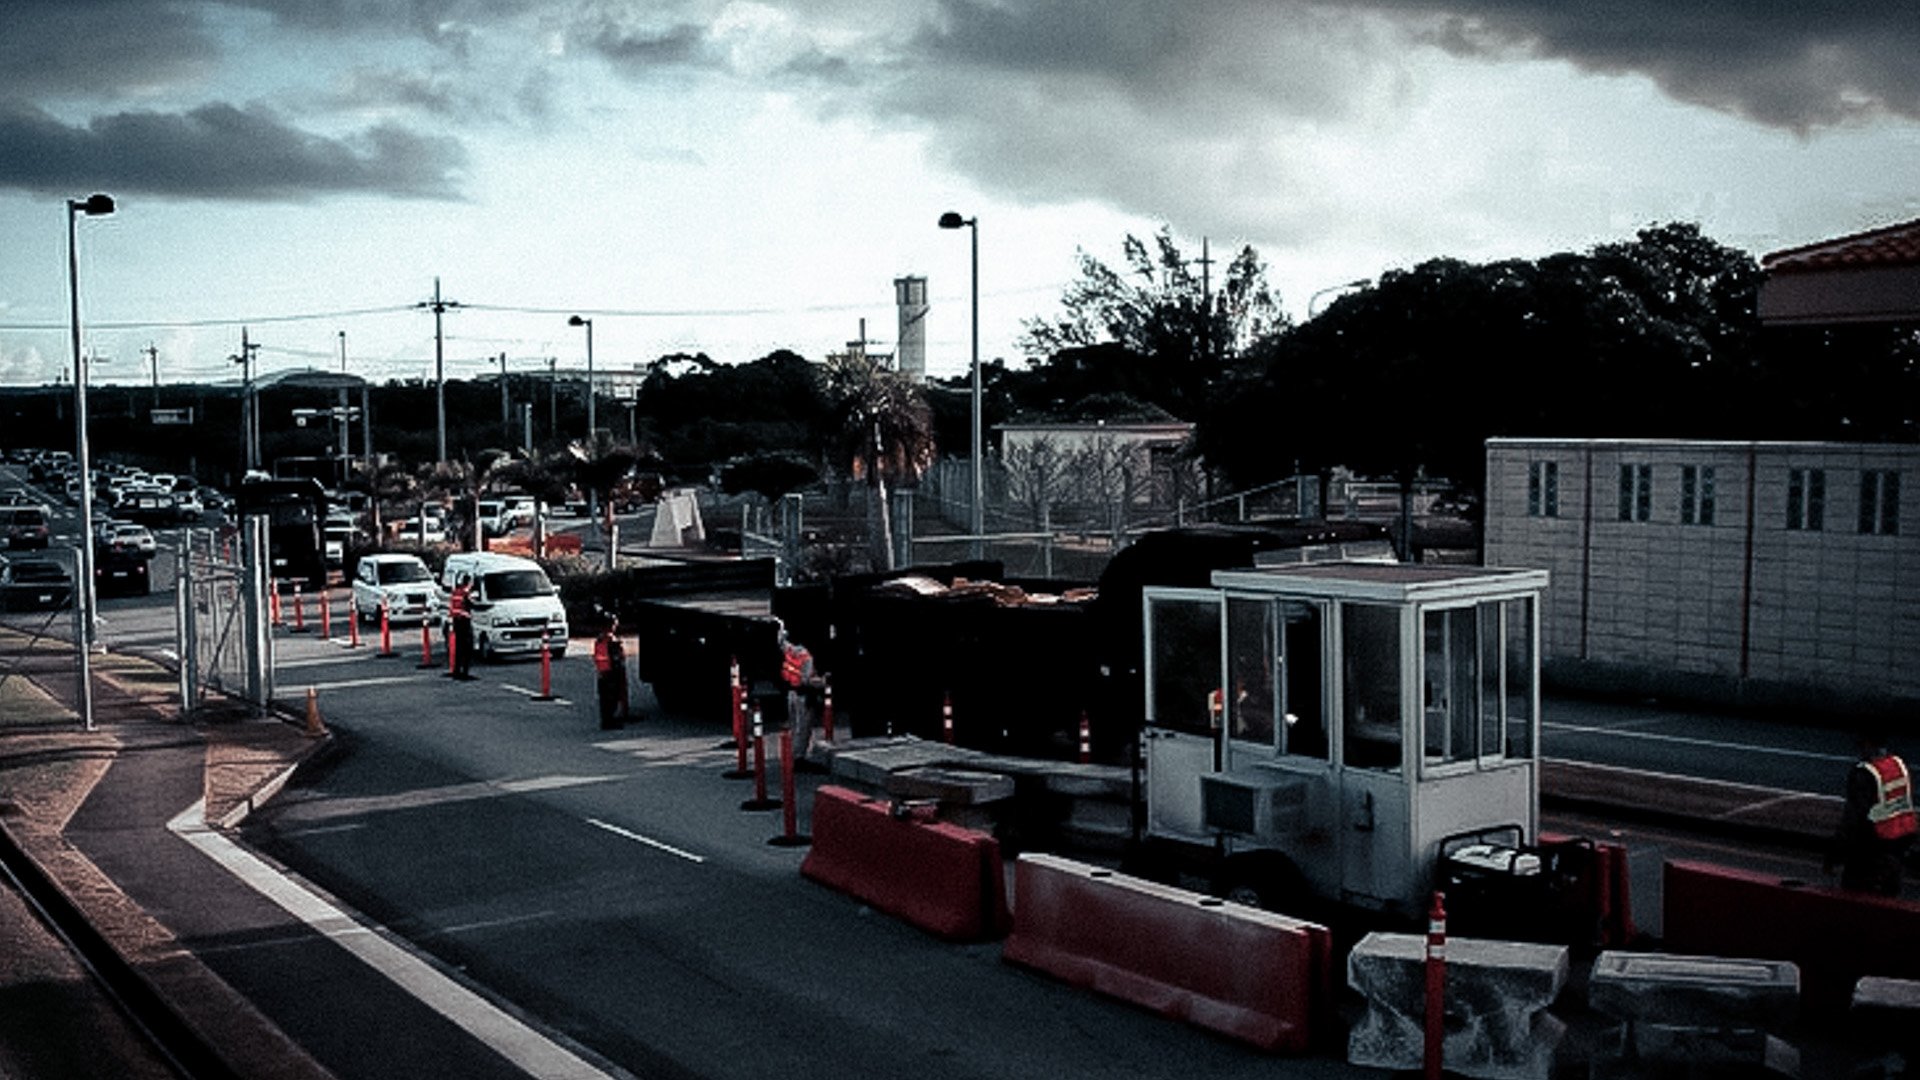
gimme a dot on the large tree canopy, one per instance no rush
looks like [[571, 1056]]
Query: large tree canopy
[[1655, 337], [1163, 329]]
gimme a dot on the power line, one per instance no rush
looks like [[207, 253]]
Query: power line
[[190, 324]]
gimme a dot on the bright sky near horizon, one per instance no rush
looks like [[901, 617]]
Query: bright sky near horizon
[[737, 177]]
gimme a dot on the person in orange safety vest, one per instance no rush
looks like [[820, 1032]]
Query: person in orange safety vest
[[802, 683], [460, 626], [610, 674], [1877, 822]]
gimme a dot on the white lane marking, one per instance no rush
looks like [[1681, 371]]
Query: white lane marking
[[647, 840], [691, 751], [1688, 740], [495, 924], [511, 1039], [530, 693], [322, 830], [322, 809], [349, 684]]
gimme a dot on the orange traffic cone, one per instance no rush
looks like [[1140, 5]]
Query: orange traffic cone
[[315, 726]]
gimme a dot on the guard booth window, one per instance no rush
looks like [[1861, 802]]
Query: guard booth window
[[1477, 682], [1370, 686], [1273, 666], [1186, 663]]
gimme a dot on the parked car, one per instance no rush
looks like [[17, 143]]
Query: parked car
[[35, 585], [433, 532], [133, 538], [402, 581], [24, 526]]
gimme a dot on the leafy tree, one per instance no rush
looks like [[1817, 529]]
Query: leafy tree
[[1156, 329], [769, 475], [886, 436]]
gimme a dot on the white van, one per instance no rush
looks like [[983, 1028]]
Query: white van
[[514, 605]]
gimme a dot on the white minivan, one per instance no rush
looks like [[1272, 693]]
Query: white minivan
[[514, 605]]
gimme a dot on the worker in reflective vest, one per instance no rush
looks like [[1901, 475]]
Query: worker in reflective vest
[[1877, 822], [802, 682], [460, 633], [610, 674]]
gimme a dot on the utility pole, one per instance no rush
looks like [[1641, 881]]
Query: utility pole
[[439, 308], [153, 362], [553, 397], [249, 402], [506, 410]]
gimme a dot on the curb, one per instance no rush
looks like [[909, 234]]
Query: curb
[[1800, 820]]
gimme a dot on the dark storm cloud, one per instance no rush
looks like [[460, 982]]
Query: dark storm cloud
[[99, 48], [1796, 66], [643, 49], [221, 152]]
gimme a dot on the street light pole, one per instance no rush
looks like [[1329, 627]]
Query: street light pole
[[977, 522], [93, 206], [593, 509], [588, 323]]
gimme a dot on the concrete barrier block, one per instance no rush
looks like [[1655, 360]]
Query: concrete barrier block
[[944, 879], [1497, 994], [1698, 991], [1886, 1013], [1246, 973]]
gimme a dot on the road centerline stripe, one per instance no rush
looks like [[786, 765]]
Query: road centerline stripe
[[647, 840]]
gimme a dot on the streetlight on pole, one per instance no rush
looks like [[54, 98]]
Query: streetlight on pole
[[93, 206], [592, 496], [588, 323], [977, 524]]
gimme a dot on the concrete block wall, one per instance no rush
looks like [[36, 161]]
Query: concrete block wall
[[1742, 607]]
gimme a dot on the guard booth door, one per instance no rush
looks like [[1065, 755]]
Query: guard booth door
[[1184, 674]]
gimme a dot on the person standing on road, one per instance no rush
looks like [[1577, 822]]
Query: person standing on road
[[802, 682], [460, 614], [1877, 823], [610, 674]]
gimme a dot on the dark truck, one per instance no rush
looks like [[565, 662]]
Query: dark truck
[[1020, 660]]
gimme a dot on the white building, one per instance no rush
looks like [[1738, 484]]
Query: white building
[[1766, 573]]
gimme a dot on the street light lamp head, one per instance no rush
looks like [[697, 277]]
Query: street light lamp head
[[95, 205], [578, 321], [952, 220]]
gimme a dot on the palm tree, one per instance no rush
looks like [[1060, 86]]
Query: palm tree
[[886, 433]]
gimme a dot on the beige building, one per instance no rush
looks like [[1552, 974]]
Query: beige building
[[1764, 573]]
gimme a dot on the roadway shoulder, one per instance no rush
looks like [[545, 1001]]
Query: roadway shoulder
[[1797, 818]]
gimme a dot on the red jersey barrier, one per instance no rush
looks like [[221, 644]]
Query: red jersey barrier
[[942, 878], [1834, 937], [1253, 975]]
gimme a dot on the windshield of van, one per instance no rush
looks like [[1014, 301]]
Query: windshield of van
[[403, 573], [517, 585]]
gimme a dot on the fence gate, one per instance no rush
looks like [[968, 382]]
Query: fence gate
[[211, 611]]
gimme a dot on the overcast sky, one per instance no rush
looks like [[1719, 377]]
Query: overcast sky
[[734, 178]]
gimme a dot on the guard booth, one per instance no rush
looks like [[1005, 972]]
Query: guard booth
[[1322, 730]]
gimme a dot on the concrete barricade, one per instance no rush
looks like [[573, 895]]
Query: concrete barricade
[[1834, 937], [1885, 1022], [1697, 1011], [942, 878], [1497, 1026], [1240, 971]]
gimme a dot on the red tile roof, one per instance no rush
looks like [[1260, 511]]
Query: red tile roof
[[1893, 245]]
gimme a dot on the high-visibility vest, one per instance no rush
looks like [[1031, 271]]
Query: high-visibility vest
[[602, 655], [1892, 810], [793, 665], [457, 603]]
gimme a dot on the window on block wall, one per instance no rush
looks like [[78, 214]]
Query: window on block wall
[[1636, 492], [1543, 489], [1696, 494], [1807, 499], [1880, 501]]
